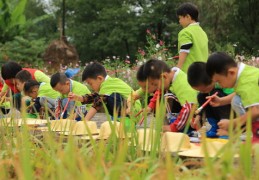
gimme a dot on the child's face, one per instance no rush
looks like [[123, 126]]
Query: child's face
[[19, 85], [63, 88], [158, 84], [95, 84], [184, 21], [33, 93], [144, 86], [225, 81], [204, 88]]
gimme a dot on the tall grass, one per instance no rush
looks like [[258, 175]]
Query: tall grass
[[26, 153]]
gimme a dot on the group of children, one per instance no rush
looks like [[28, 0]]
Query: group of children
[[196, 78]]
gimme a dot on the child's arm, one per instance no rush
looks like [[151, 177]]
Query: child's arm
[[90, 114], [131, 99], [224, 123], [75, 97], [153, 100], [221, 101], [182, 58], [181, 120]]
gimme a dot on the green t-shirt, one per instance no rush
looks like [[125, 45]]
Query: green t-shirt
[[78, 89], [45, 90], [181, 88], [247, 85], [199, 51], [115, 85], [41, 77]]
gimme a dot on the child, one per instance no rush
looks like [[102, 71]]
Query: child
[[192, 40], [9, 71], [200, 81], [20, 79], [160, 77], [151, 94], [59, 82], [110, 91], [42, 95], [245, 81]]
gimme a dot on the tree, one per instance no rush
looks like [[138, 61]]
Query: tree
[[12, 19]]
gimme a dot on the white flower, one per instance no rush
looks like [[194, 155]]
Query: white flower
[[140, 63], [157, 46], [160, 58]]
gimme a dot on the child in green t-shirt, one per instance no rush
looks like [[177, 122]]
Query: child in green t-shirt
[[192, 40], [245, 81], [164, 79], [200, 81], [42, 96], [113, 92], [61, 83]]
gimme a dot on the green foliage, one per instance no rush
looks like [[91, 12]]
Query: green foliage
[[12, 19], [117, 28], [26, 51]]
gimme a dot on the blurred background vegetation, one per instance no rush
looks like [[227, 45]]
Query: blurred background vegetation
[[107, 28]]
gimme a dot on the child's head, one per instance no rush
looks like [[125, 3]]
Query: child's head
[[157, 73], [222, 69], [142, 79], [10, 69], [187, 13], [198, 77], [31, 88], [20, 79], [94, 74], [59, 82]]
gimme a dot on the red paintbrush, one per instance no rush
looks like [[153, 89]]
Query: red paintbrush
[[205, 104]]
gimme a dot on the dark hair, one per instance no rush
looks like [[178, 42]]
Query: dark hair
[[188, 8], [219, 63], [140, 74], [10, 69], [197, 74], [153, 69], [58, 78], [23, 76], [29, 85], [93, 70]]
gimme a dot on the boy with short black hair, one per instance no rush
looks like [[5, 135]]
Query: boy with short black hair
[[108, 90], [192, 40], [162, 78], [61, 83], [245, 81], [200, 81]]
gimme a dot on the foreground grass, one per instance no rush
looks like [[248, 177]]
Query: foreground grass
[[28, 154]]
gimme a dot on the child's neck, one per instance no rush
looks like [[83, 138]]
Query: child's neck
[[191, 22]]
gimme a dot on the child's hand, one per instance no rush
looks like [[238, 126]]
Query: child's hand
[[215, 100], [166, 128], [149, 110], [57, 111], [74, 97], [223, 124], [222, 132]]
